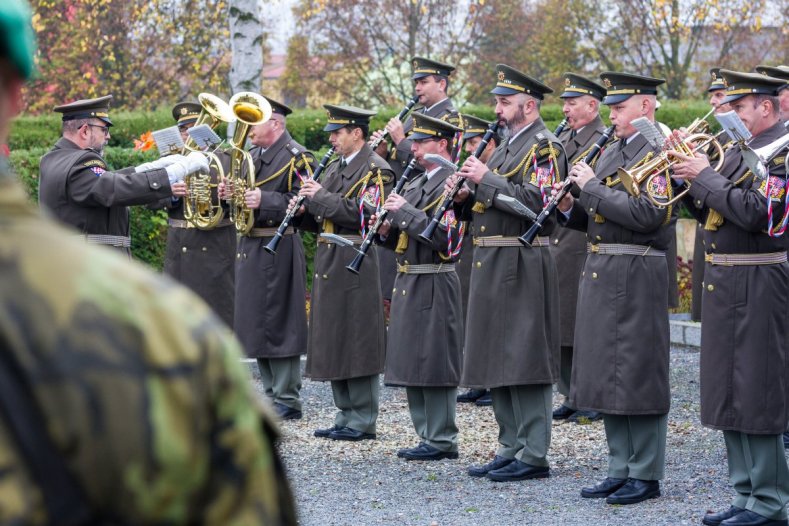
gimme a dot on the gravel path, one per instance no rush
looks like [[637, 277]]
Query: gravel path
[[338, 483]]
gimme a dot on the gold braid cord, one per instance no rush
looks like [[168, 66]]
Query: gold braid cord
[[523, 166], [361, 185], [402, 239], [714, 218]]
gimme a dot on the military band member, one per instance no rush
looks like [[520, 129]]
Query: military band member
[[271, 318], [581, 108], [347, 332], [200, 259], [743, 340], [717, 91], [122, 397], [621, 353], [474, 129], [431, 84], [512, 332], [425, 336], [77, 187], [782, 73]]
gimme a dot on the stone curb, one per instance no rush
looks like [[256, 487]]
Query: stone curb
[[685, 333]]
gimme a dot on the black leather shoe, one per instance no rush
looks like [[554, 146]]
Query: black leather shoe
[[585, 417], [401, 452], [749, 518], [428, 452], [497, 463], [346, 433], [484, 400], [517, 470], [634, 491], [714, 519], [324, 433], [287, 413], [602, 489], [471, 395], [786, 440], [563, 412]]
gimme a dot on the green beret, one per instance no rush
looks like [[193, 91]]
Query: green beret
[[16, 36]]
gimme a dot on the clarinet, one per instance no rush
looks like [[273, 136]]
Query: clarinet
[[559, 129], [354, 265], [400, 116], [528, 238], [271, 247], [427, 233]]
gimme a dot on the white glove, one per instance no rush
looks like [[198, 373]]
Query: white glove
[[192, 163], [162, 162]]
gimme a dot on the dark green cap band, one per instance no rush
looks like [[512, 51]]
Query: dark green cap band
[[16, 36]]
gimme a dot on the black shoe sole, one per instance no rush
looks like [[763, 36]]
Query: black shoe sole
[[634, 500], [516, 479], [450, 455]]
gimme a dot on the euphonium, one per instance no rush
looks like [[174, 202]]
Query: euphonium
[[201, 207], [661, 164], [250, 109], [758, 159]]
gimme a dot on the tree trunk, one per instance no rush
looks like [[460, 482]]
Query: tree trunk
[[246, 45]]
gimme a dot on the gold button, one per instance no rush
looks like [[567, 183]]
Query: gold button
[[238, 256], [394, 291], [482, 228], [599, 238], [325, 276], [270, 222], [403, 292], [205, 249], [479, 264], [487, 201], [710, 287], [316, 275], [245, 255], [591, 209], [583, 273], [556, 241], [317, 218], [594, 275], [713, 245], [698, 202], [403, 223], [155, 185], [183, 249]]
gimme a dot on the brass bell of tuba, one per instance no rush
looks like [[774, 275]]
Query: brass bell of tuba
[[202, 206], [249, 109]]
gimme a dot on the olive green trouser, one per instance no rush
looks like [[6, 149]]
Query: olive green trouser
[[523, 413], [433, 414], [281, 379], [636, 446], [357, 401], [758, 473]]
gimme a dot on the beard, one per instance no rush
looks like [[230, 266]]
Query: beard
[[513, 124]]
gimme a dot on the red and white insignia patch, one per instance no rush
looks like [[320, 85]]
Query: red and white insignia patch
[[370, 196], [777, 188], [541, 177], [449, 220], [658, 186], [98, 170]]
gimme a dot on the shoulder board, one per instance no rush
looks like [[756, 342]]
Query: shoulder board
[[778, 160]]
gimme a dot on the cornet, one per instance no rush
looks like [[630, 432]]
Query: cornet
[[661, 164]]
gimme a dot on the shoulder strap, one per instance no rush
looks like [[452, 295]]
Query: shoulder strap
[[64, 500]]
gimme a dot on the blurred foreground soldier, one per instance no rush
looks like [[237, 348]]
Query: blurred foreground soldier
[[431, 84], [425, 337], [271, 318], [512, 330], [744, 347], [77, 187], [347, 329], [474, 129], [200, 259], [581, 108], [621, 352], [717, 91], [122, 398]]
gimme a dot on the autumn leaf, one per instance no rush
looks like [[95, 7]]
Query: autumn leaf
[[145, 142]]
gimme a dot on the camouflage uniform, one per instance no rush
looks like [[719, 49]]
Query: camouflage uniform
[[140, 386]]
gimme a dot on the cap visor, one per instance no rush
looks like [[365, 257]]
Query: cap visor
[[615, 99], [417, 136], [416, 76], [498, 90], [571, 94], [471, 135], [105, 119], [333, 127], [732, 98]]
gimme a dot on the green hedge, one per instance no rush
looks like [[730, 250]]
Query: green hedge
[[31, 137]]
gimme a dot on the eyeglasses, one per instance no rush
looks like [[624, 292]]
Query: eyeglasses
[[105, 129]]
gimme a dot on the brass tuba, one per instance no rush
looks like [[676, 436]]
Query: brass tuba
[[648, 169], [201, 208], [249, 109]]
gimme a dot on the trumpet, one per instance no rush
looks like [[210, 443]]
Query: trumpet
[[201, 209], [647, 169], [250, 109]]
